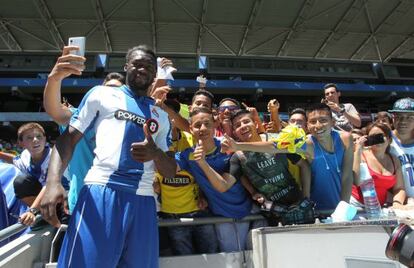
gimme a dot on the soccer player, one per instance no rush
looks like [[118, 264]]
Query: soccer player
[[116, 205]]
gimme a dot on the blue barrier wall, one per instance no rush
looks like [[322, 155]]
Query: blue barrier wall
[[216, 84]]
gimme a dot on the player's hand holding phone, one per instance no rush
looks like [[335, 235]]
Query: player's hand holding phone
[[72, 61]]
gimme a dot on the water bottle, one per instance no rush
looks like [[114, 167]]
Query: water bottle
[[372, 205]]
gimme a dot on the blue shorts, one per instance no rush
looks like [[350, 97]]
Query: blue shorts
[[110, 228]]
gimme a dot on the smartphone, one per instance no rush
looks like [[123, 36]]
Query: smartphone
[[266, 117], [79, 42], [374, 139]]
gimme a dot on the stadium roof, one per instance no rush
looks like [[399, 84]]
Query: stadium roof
[[372, 30]]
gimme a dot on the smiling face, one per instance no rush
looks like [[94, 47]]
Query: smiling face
[[404, 123], [244, 128], [226, 108], [34, 141], [320, 123], [202, 126], [140, 72]]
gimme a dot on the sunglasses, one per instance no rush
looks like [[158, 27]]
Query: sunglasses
[[231, 108]]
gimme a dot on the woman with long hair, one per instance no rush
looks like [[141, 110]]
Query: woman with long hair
[[384, 168]]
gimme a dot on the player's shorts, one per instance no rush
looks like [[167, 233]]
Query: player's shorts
[[110, 228]]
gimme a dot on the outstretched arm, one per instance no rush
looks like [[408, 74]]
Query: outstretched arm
[[229, 145], [305, 176], [347, 163], [63, 68], [6, 157]]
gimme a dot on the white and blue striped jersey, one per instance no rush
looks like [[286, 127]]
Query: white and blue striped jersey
[[405, 153], [117, 117], [38, 171]]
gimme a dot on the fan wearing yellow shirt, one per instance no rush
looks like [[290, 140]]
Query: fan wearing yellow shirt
[[180, 198]]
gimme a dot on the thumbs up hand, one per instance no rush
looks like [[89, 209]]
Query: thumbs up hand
[[145, 150], [199, 154]]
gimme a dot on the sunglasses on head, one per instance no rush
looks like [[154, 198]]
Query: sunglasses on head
[[231, 108]]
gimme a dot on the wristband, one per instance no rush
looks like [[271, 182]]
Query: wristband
[[34, 211]]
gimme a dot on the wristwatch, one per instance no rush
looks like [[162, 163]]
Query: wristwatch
[[34, 211], [342, 110]]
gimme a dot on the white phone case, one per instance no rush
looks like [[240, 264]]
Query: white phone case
[[80, 42]]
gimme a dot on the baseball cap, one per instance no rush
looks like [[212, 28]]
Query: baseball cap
[[405, 105]]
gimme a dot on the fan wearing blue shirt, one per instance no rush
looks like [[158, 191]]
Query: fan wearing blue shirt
[[225, 195]]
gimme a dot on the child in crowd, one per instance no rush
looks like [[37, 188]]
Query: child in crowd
[[181, 198], [33, 162], [266, 176], [225, 195]]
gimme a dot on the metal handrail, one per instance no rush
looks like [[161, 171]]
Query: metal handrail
[[15, 228]]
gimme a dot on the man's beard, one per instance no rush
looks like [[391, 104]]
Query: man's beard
[[140, 87]]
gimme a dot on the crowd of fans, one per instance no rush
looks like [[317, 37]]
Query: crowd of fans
[[10, 147], [230, 162]]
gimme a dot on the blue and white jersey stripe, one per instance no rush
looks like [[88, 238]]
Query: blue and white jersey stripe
[[38, 171], [405, 153], [117, 115]]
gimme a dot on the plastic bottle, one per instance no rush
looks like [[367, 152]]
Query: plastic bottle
[[372, 205]]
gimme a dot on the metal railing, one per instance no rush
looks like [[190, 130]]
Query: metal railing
[[14, 229], [18, 227]]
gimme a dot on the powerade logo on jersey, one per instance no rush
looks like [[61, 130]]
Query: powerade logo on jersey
[[139, 120]]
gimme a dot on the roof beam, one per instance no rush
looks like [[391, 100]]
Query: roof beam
[[322, 13], [374, 31], [34, 36], [114, 10], [279, 34], [50, 23], [9, 39], [200, 27], [345, 20], [153, 26], [300, 18], [252, 17], [398, 47], [205, 27], [102, 24]]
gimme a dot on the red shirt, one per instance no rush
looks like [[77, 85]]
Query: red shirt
[[383, 183]]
